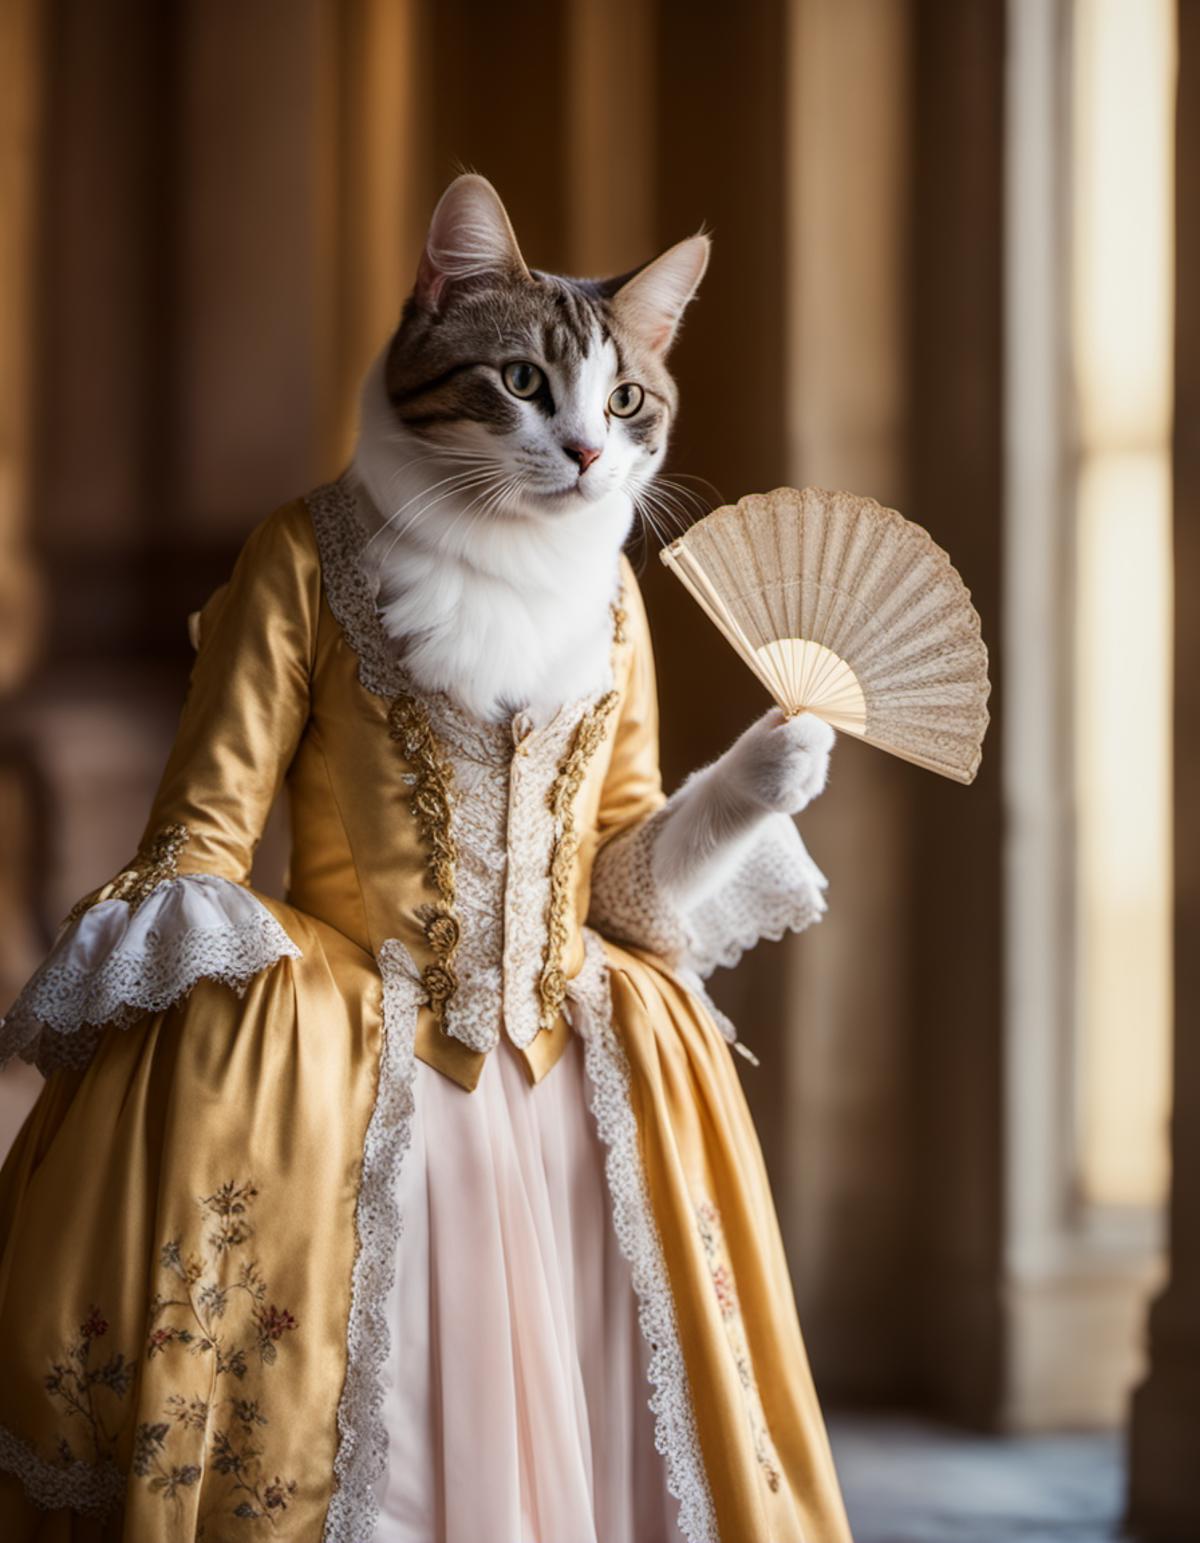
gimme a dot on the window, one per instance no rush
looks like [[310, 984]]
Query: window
[[1121, 324]]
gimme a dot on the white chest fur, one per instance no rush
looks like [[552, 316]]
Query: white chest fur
[[503, 612]]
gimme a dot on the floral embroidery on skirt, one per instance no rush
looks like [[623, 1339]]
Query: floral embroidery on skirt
[[213, 1316], [720, 1267]]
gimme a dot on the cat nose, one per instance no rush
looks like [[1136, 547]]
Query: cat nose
[[582, 455]]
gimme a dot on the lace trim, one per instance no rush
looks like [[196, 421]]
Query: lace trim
[[675, 1434], [93, 1489], [348, 590], [626, 903], [58, 1019], [363, 1445], [776, 889], [529, 887], [481, 816]]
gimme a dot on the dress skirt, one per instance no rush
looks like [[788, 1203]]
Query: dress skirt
[[517, 1399], [263, 1274]]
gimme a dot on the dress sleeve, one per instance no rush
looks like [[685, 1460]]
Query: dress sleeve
[[182, 910], [774, 888]]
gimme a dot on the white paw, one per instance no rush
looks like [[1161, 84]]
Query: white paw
[[783, 763]]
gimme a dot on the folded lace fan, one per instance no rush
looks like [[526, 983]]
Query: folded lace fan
[[845, 609]]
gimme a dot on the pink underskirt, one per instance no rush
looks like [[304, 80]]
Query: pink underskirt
[[516, 1388]]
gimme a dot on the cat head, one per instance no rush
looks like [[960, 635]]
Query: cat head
[[541, 395]]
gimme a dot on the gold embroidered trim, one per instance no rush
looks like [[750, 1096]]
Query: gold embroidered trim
[[156, 861], [619, 617], [433, 794], [720, 1269], [589, 736]]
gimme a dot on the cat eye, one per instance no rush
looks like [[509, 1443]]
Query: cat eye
[[626, 400], [523, 379]]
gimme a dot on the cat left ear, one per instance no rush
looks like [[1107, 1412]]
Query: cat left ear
[[470, 234], [651, 303]]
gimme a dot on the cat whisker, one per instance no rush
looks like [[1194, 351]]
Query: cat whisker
[[681, 503], [463, 483], [658, 515], [453, 478], [684, 476], [395, 476], [483, 496], [650, 521]]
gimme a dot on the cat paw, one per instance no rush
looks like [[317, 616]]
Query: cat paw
[[783, 763]]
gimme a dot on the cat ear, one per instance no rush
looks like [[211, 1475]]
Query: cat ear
[[470, 234], [652, 301]]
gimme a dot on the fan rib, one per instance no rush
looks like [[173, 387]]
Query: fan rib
[[846, 609]]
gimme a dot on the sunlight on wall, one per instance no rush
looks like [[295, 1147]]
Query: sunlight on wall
[[1122, 284]]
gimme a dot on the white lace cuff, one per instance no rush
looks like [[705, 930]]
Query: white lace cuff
[[775, 888], [116, 962]]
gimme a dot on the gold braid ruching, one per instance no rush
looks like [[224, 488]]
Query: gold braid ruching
[[409, 726], [156, 861], [589, 736], [552, 984]]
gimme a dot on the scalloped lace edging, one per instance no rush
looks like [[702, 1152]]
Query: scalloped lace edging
[[92, 1489], [752, 911], [363, 1444], [81, 987], [775, 889], [675, 1434]]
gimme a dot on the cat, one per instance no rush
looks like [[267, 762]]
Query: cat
[[506, 433]]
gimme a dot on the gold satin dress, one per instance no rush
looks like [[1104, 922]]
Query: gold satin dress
[[198, 1220]]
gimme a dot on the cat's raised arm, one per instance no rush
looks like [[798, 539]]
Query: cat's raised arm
[[700, 877], [778, 766]]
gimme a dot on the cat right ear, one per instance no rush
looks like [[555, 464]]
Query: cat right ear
[[470, 234], [652, 299]]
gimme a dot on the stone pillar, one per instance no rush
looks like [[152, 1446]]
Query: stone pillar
[[955, 1241], [20, 47], [20, 53], [845, 1158], [1164, 1495]]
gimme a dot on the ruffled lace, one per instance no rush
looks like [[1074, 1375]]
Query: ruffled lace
[[775, 889], [675, 1435], [115, 963], [363, 1446]]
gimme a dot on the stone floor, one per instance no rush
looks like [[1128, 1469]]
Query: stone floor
[[910, 1482]]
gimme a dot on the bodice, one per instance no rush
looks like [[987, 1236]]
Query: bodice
[[469, 841]]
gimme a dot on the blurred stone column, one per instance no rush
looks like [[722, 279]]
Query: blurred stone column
[[376, 191], [20, 50], [847, 1162], [1164, 1499], [20, 78], [955, 1245], [610, 131]]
